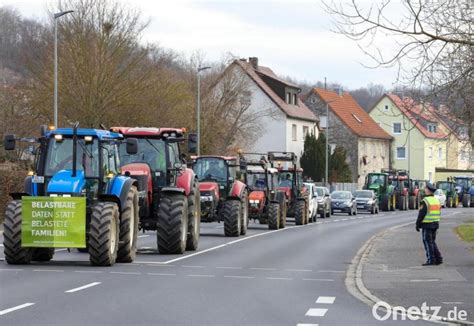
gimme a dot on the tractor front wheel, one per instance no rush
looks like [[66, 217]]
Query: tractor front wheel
[[274, 216], [43, 254], [231, 214], [14, 253], [104, 234], [386, 203], [127, 249], [245, 214], [466, 200], [283, 215], [172, 225], [300, 212], [194, 218]]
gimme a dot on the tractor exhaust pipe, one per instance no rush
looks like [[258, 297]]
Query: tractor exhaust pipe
[[74, 148]]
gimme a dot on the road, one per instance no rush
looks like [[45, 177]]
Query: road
[[290, 276]]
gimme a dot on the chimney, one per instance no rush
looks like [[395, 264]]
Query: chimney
[[254, 62]]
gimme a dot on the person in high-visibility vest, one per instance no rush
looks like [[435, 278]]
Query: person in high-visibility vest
[[428, 220]]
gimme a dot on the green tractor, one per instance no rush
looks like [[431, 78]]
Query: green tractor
[[379, 183], [449, 188]]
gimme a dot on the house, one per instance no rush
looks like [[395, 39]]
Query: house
[[367, 145], [290, 120], [420, 144]]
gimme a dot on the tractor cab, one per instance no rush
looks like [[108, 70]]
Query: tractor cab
[[449, 189], [382, 185], [465, 189], [215, 173]]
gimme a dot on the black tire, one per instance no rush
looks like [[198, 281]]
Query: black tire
[[231, 214], [194, 218], [412, 202], [329, 212], [104, 234], [323, 214], [14, 253], [300, 211], [282, 215], [418, 201], [466, 200], [128, 237], [350, 212], [244, 211], [43, 254], [273, 216], [84, 250], [372, 210], [386, 203], [471, 200], [449, 202], [172, 225]]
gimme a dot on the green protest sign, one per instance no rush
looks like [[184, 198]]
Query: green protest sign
[[53, 222]]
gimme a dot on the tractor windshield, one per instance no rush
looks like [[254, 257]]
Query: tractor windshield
[[150, 151], [462, 182], [256, 181], [211, 169], [59, 156], [376, 179], [446, 186], [285, 179]]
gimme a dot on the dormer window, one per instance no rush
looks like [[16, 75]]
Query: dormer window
[[294, 99], [432, 127], [288, 97]]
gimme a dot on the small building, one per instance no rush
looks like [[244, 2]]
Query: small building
[[367, 145]]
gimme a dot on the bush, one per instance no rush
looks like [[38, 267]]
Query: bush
[[11, 180]]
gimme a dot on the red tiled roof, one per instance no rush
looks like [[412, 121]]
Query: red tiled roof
[[412, 110], [351, 114], [299, 111]]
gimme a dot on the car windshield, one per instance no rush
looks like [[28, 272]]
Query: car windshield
[[150, 151], [210, 168], [341, 195], [59, 156], [363, 194]]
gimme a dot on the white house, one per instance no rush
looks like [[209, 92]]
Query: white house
[[290, 119]]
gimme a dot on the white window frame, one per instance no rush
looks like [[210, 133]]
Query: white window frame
[[294, 132], [399, 157], [305, 131], [288, 97], [440, 153], [385, 108], [430, 152], [393, 128]]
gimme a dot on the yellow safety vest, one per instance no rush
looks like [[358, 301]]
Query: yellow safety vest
[[433, 207]]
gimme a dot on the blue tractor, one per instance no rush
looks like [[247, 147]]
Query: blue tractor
[[465, 189], [74, 198]]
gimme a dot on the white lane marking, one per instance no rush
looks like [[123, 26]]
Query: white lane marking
[[344, 219], [225, 267], [307, 324], [316, 312], [161, 274], [319, 279], [146, 248], [319, 222], [49, 270], [192, 255], [62, 249], [82, 287], [219, 227], [126, 273], [158, 263], [298, 270], [330, 271], [143, 236], [326, 300], [11, 270], [238, 276], [201, 275], [262, 269], [6, 311], [455, 302], [192, 266], [426, 280], [1, 244], [279, 278], [90, 272]]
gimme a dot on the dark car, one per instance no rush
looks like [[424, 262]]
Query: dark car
[[367, 201], [324, 202], [344, 202]]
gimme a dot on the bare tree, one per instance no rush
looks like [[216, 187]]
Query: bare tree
[[432, 45]]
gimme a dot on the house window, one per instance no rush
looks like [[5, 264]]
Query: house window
[[397, 128], [293, 132], [288, 98], [385, 108], [305, 131], [432, 128], [401, 153], [430, 152], [440, 153], [294, 99], [313, 100]]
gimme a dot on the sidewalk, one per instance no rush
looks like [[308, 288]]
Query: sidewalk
[[392, 268]]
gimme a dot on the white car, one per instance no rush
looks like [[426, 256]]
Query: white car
[[313, 201], [439, 193]]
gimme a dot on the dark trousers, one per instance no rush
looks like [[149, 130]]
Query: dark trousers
[[429, 241]]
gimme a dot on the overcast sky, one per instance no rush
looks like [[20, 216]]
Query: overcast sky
[[291, 37]]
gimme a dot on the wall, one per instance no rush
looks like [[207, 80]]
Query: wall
[[377, 152], [297, 146], [433, 161]]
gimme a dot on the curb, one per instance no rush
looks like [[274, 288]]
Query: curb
[[357, 288]]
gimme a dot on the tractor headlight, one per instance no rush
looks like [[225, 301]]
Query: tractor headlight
[[58, 137], [206, 198], [87, 139]]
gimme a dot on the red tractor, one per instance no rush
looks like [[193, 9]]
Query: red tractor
[[401, 181], [168, 191], [415, 195], [267, 204], [223, 196], [290, 181]]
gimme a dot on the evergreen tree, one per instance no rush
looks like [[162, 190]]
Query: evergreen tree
[[313, 160], [339, 169]]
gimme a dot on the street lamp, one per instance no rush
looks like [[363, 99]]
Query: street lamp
[[198, 110], [56, 16], [327, 141]]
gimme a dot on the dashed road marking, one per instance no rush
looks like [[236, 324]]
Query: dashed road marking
[[11, 270], [307, 324], [143, 236], [90, 272], [238, 276], [298, 270], [191, 266], [280, 278], [228, 267], [49, 270], [330, 271], [126, 273], [82, 287], [326, 300], [6, 311], [201, 275], [62, 249], [161, 274], [319, 279], [316, 312], [426, 280], [262, 269]]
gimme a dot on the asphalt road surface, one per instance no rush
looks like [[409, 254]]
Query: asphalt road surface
[[290, 276]]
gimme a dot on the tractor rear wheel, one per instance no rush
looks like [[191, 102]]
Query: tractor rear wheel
[[127, 249], [386, 203], [300, 211], [471, 200], [43, 254], [172, 225], [14, 253], [274, 216], [244, 210], [412, 202], [466, 200], [449, 202], [283, 215], [194, 218], [104, 234], [231, 214]]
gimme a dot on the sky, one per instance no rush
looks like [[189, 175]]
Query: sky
[[293, 38]]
